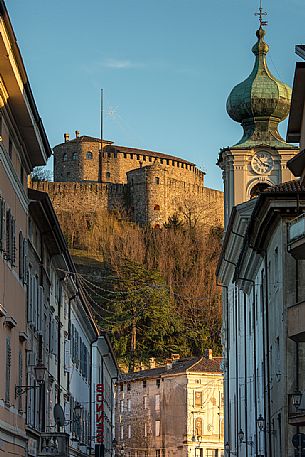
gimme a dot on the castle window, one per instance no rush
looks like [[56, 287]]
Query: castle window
[[138, 157], [161, 160], [107, 174], [65, 157], [89, 155], [150, 159], [144, 158], [157, 207], [74, 156], [173, 163], [131, 156], [167, 162], [124, 155], [157, 180]]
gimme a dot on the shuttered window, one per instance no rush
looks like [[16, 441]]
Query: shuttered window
[[8, 362], [2, 223], [21, 256]]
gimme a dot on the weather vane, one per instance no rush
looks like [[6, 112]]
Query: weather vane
[[261, 13]]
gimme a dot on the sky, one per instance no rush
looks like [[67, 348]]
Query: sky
[[166, 68]]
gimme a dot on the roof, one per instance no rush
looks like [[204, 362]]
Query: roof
[[297, 164], [124, 149], [297, 104], [286, 187], [300, 50], [188, 365]]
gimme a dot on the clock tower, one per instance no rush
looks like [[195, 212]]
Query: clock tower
[[259, 159]]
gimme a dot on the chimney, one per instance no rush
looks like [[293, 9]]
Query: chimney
[[76, 133], [209, 354], [152, 363], [66, 137]]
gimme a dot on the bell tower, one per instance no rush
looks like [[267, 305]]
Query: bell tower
[[259, 159]]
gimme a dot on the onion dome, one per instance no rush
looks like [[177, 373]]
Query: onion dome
[[260, 102]]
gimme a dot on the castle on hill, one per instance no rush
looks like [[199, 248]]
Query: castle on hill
[[150, 186]]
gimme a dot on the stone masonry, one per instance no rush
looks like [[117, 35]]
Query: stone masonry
[[151, 186]]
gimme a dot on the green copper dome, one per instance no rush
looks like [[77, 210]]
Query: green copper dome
[[260, 102]]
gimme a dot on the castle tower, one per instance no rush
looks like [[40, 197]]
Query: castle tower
[[259, 159]]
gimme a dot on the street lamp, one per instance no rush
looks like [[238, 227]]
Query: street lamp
[[40, 371], [296, 399], [241, 436], [260, 422]]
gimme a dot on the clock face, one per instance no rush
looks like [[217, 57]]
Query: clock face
[[262, 162]]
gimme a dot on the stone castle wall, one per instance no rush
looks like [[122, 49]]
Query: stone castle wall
[[150, 186]]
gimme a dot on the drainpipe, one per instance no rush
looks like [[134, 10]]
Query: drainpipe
[[297, 344], [236, 302]]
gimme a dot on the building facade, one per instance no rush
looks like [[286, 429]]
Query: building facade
[[23, 145], [261, 280], [175, 410]]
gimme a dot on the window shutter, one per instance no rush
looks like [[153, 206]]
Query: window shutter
[[25, 261], [72, 341], [8, 361], [21, 256], [7, 233], [13, 241], [2, 223]]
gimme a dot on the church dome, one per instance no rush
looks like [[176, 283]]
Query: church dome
[[261, 98]]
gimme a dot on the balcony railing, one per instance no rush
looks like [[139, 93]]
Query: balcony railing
[[56, 444], [296, 237]]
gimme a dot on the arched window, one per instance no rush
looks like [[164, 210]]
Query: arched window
[[65, 157], [74, 156], [258, 189], [108, 174], [157, 207], [157, 180], [89, 155]]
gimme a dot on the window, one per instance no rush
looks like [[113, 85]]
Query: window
[[158, 383], [150, 159], [157, 402], [20, 371], [157, 180], [74, 156], [138, 157], [145, 402], [129, 404], [107, 174], [198, 398], [145, 429], [8, 362], [10, 253], [198, 426], [157, 428], [124, 155], [144, 384], [212, 453], [158, 453], [65, 157], [10, 148], [122, 433], [129, 431], [21, 174], [129, 386], [157, 207], [122, 406], [89, 155], [122, 387]]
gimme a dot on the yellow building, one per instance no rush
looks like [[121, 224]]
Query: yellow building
[[173, 410]]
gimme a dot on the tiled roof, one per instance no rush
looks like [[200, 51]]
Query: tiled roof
[[289, 186], [194, 364]]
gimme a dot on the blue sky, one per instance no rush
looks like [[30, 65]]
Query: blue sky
[[166, 67]]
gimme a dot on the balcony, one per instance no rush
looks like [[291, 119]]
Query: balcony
[[296, 237], [55, 444], [296, 322], [295, 415]]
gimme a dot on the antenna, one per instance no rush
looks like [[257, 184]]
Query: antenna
[[102, 133], [261, 13]]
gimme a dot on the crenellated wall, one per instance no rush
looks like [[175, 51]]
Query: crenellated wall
[[149, 185]]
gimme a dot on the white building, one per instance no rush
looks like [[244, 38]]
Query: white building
[[173, 410], [263, 358]]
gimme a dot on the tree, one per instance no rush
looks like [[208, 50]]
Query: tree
[[140, 316], [41, 174]]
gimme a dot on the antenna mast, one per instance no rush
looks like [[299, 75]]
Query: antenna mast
[[261, 13], [102, 133]]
